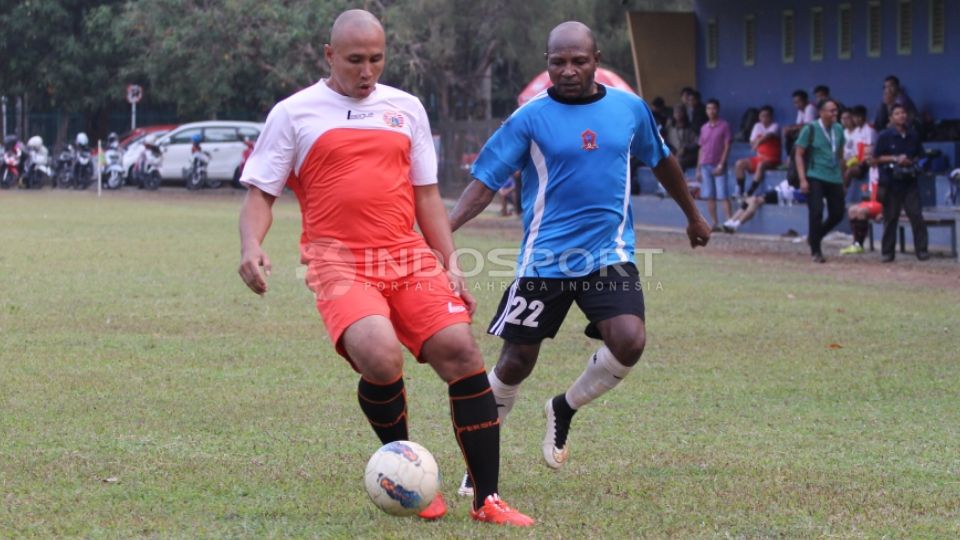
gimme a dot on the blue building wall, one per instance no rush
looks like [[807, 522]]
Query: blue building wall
[[931, 80]]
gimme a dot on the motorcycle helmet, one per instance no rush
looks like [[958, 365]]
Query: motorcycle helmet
[[150, 140], [10, 142], [82, 139], [113, 140], [197, 138], [35, 142]]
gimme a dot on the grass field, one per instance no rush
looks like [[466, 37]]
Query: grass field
[[144, 392]]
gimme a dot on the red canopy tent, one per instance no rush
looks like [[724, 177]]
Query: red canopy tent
[[542, 81]]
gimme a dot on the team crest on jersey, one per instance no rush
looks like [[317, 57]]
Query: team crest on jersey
[[589, 140], [393, 119]]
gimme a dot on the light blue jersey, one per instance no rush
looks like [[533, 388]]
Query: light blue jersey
[[575, 162]]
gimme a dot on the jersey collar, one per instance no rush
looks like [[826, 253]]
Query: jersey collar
[[601, 91]]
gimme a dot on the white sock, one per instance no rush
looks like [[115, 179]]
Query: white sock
[[602, 374], [504, 394], [734, 223]]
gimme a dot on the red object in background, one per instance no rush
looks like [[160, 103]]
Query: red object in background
[[139, 132], [542, 81]]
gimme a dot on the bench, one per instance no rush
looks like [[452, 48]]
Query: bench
[[932, 218]]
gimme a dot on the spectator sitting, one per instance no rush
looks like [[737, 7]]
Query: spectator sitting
[[681, 139], [820, 93], [859, 139], [860, 215], [893, 94], [783, 194], [765, 140], [806, 113]]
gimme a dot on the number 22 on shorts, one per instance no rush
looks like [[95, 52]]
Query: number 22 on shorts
[[517, 308]]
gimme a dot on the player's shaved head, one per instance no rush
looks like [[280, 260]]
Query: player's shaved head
[[353, 23], [356, 53], [571, 34]]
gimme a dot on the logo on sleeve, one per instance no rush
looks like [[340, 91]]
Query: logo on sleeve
[[393, 119], [589, 140]]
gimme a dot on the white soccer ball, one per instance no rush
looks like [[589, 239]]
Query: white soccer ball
[[402, 478]]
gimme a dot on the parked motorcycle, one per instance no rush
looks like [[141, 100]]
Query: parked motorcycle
[[38, 164], [112, 175], [83, 163], [195, 176], [12, 162], [63, 172], [146, 171]]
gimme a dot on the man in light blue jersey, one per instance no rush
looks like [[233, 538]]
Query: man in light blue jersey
[[572, 144]]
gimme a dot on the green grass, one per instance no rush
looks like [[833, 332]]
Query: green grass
[[144, 392]]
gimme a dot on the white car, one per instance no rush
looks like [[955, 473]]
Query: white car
[[132, 150], [223, 139]]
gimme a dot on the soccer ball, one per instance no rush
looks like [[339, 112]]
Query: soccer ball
[[402, 478]]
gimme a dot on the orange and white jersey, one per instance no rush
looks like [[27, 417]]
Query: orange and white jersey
[[352, 163]]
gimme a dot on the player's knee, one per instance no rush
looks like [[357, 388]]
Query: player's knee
[[516, 362], [380, 365], [628, 349]]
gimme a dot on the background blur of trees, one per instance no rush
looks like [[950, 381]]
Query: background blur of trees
[[199, 59]]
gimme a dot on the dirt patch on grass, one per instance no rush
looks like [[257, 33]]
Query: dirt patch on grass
[[772, 253]]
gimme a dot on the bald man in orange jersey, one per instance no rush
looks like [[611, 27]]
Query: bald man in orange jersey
[[359, 156]]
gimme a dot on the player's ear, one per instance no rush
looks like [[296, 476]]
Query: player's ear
[[597, 56], [328, 54]]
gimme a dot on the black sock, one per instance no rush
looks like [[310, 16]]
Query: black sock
[[477, 427], [740, 183], [386, 408], [564, 413], [859, 228], [753, 187]]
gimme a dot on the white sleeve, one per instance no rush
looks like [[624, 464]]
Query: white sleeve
[[774, 128], [756, 132], [423, 155], [274, 154], [809, 113]]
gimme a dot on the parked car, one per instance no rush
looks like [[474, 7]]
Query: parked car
[[137, 134], [223, 139]]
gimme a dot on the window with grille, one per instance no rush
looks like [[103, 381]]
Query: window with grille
[[816, 33], [844, 31], [874, 30], [749, 40], [787, 28], [938, 26], [904, 27], [713, 40]]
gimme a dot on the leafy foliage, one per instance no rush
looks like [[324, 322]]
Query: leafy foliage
[[207, 57]]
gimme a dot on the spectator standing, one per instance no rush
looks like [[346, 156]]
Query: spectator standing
[[765, 141], [898, 151], [806, 113], [822, 176], [681, 139], [695, 110], [820, 93], [715, 138]]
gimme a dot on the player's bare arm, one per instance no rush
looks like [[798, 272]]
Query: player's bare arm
[[256, 216], [474, 199], [670, 175], [432, 218]]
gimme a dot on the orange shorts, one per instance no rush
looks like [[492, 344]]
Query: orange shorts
[[406, 285], [873, 208], [757, 160]]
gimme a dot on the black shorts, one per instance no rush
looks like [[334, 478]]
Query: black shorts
[[533, 309]]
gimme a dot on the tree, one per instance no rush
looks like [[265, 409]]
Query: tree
[[207, 57]]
